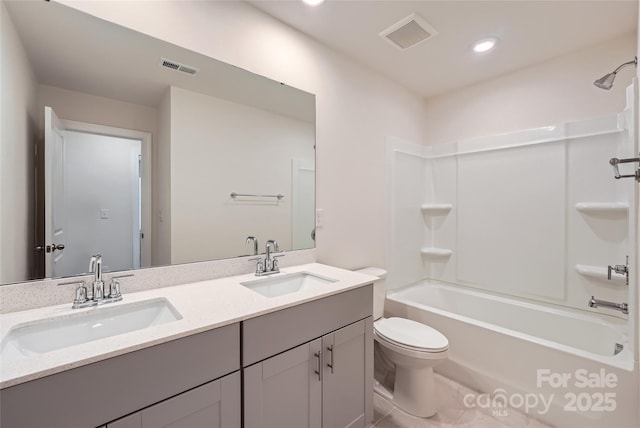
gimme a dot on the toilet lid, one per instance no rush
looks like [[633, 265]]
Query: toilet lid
[[411, 333]]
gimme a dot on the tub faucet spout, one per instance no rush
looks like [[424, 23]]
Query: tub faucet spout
[[622, 307]]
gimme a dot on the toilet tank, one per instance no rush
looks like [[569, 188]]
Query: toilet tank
[[379, 288]]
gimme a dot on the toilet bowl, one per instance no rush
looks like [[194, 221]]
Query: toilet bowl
[[414, 348]]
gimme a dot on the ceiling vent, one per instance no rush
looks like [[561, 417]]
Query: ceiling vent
[[409, 32], [173, 65]]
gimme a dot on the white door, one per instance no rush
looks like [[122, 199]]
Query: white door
[[55, 216], [303, 204]]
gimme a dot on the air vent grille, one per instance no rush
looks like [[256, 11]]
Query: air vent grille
[[409, 32], [174, 65]]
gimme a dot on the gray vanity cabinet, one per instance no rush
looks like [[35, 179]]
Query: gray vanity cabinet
[[179, 377], [344, 376], [324, 382], [214, 405], [284, 391]]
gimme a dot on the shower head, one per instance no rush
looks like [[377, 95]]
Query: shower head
[[606, 81]]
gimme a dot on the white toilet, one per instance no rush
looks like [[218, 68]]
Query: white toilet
[[414, 348]]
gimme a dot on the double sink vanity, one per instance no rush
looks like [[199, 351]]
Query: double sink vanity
[[293, 349]]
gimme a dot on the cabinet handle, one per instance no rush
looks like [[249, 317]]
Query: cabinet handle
[[319, 371], [330, 364]]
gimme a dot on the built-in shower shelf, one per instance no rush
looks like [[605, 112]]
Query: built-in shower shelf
[[436, 252], [599, 272], [436, 209], [602, 207]]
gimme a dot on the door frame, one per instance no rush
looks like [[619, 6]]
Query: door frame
[[146, 162]]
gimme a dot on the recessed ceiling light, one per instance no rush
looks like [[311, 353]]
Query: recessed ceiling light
[[313, 3], [484, 45]]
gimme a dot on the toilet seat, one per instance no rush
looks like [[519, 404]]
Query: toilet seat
[[410, 334]]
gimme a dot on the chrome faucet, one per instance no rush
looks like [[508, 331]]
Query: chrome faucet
[[95, 266], [98, 297], [622, 307], [269, 265], [270, 246]]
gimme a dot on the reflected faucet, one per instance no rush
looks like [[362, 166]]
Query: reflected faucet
[[255, 244], [95, 266]]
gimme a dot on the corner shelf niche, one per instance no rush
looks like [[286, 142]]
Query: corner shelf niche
[[433, 252], [436, 209], [600, 273], [602, 207]]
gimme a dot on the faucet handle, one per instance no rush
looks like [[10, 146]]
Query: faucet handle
[[275, 264], [81, 292], [259, 265], [114, 286]]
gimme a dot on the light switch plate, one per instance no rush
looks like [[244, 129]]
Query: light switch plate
[[104, 213], [319, 217]]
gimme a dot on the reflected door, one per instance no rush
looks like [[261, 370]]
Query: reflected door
[[55, 216], [303, 183]]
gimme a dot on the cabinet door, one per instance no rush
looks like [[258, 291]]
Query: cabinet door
[[345, 370], [213, 405], [285, 390]]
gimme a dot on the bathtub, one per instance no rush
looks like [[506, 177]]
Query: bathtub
[[561, 366]]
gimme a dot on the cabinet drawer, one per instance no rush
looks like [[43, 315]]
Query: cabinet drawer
[[273, 333], [91, 395], [216, 404]]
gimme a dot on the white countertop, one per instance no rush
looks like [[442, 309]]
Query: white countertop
[[203, 305]]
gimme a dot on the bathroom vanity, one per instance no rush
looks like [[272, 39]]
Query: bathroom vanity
[[235, 358], [322, 377]]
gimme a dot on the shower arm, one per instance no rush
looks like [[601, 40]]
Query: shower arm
[[634, 62], [614, 162]]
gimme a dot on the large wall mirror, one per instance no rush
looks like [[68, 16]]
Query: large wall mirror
[[145, 152]]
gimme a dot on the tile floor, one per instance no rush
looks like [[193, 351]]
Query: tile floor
[[452, 412]]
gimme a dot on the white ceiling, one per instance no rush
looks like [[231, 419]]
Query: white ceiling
[[529, 32], [72, 50]]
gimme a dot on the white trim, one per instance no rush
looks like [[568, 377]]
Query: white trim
[[543, 135], [146, 141]]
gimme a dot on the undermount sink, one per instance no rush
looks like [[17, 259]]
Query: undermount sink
[[287, 283], [77, 328]]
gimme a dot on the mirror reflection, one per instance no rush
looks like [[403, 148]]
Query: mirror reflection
[[147, 153]]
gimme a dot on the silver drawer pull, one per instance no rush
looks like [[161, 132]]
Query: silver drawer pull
[[319, 371], [330, 364]]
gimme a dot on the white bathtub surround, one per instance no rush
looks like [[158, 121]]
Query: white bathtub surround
[[202, 305], [502, 344], [453, 412], [38, 294], [535, 217], [525, 214]]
